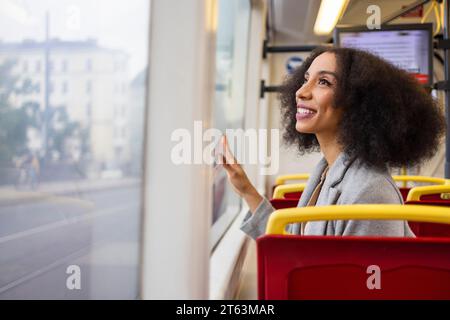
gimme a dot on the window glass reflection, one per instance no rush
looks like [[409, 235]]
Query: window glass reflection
[[230, 87]]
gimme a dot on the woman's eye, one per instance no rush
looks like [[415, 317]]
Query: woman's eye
[[324, 81]]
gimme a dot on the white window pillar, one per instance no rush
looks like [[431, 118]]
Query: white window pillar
[[177, 198]]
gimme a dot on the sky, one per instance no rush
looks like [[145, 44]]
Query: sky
[[116, 24]]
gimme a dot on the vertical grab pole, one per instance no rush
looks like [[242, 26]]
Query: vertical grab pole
[[447, 93], [404, 172]]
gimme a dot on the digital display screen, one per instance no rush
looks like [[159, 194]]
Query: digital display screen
[[407, 49]]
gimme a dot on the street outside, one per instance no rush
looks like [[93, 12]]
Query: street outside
[[96, 228]]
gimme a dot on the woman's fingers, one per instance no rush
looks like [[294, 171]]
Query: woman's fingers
[[229, 158], [236, 174]]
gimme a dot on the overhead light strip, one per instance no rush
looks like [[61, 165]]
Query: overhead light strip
[[329, 13]]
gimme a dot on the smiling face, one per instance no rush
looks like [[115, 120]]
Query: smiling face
[[315, 98]]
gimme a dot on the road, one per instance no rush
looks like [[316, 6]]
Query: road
[[97, 231]]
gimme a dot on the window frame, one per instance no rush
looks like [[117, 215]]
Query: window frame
[[226, 218]]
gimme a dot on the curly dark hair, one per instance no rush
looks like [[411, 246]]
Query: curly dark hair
[[389, 119]]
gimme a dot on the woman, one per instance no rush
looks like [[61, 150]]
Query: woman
[[365, 115]]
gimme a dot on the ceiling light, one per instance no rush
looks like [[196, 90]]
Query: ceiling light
[[329, 13]]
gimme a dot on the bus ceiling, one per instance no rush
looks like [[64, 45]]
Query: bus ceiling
[[293, 21]]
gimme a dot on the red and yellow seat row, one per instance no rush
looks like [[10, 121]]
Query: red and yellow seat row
[[284, 190], [324, 267]]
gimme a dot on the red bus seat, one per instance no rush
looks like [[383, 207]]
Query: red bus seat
[[284, 203], [296, 267], [327, 267], [427, 229], [404, 192]]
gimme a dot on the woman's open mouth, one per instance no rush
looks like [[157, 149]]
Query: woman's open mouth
[[304, 113]]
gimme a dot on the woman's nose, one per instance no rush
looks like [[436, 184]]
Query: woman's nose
[[304, 92]]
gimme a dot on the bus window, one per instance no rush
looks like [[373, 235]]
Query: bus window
[[72, 93], [230, 88]]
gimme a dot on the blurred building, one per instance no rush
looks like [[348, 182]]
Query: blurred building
[[136, 121], [90, 82]]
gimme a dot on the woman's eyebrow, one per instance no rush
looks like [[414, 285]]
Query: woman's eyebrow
[[328, 72], [321, 72]]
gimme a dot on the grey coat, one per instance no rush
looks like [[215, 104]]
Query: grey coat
[[348, 181]]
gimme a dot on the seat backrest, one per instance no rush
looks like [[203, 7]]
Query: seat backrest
[[427, 229], [404, 192], [312, 267], [293, 195], [284, 203]]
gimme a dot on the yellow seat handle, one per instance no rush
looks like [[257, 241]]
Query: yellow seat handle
[[398, 178], [415, 193], [420, 179], [280, 218], [282, 179], [280, 191]]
